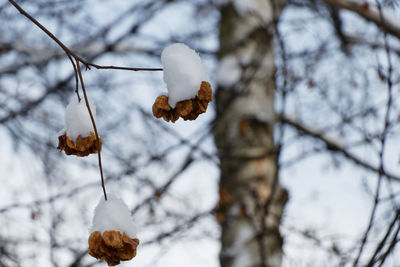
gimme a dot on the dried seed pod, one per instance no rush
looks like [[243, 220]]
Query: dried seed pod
[[184, 108], [187, 109], [205, 92], [160, 106], [83, 146], [112, 247]]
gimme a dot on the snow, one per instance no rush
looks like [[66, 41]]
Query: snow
[[77, 119], [229, 71], [183, 72], [112, 214]]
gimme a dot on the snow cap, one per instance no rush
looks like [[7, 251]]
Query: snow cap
[[77, 119], [112, 215], [183, 72]]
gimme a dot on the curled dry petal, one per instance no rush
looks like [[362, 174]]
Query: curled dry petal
[[187, 109], [205, 92], [113, 247], [83, 146]]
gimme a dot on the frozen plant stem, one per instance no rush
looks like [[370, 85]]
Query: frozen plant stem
[[94, 127]]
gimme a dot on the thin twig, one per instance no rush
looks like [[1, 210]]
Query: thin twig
[[68, 51], [382, 139], [371, 221], [390, 94], [383, 241], [336, 147], [23, 12], [118, 68], [76, 78], [368, 12], [94, 127], [389, 250]]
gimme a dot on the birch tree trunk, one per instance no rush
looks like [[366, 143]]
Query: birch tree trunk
[[251, 198]]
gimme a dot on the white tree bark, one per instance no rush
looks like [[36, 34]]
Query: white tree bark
[[251, 198]]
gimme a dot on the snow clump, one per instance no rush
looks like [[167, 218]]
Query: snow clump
[[183, 72], [77, 119], [112, 215]]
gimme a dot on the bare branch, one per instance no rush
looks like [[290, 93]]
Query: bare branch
[[368, 12], [94, 127], [335, 147], [68, 51]]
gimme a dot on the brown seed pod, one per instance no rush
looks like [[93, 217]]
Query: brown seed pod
[[187, 109], [112, 247], [83, 146]]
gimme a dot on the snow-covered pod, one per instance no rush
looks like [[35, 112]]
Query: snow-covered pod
[[78, 138], [187, 82], [111, 235], [183, 72], [77, 119]]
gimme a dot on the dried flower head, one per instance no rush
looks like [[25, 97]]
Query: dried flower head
[[83, 146], [112, 247], [187, 109]]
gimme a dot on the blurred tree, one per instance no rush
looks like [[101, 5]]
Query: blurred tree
[[315, 82], [251, 197]]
